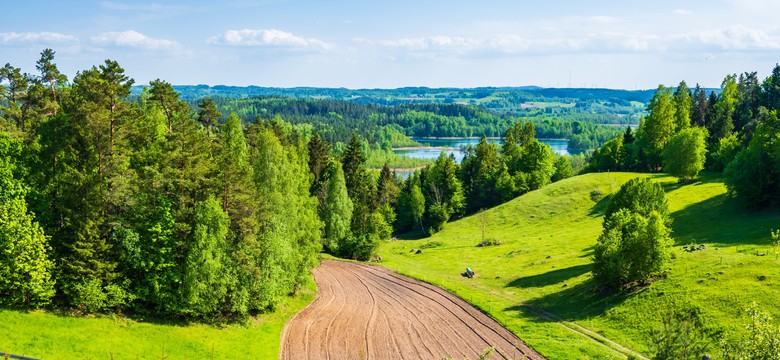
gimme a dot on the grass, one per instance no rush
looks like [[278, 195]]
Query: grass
[[537, 282], [50, 336]]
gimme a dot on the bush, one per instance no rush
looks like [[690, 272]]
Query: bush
[[631, 248], [360, 247], [683, 334], [88, 296], [762, 341]]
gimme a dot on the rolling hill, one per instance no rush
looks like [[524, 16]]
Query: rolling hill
[[537, 282]]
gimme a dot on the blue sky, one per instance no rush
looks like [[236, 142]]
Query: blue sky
[[629, 44]]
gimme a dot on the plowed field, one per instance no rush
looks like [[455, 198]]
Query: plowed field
[[368, 312]]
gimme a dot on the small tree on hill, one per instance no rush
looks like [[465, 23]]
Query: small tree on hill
[[635, 242]]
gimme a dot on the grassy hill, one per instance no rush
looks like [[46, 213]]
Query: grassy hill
[[538, 283], [49, 336]]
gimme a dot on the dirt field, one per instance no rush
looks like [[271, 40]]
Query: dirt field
[[367, 312]]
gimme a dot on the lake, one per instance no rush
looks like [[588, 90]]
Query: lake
[[433, 147]]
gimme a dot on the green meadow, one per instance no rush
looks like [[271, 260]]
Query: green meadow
[[50, 336], [537, 281]]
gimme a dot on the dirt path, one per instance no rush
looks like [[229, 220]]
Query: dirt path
[[367, 312]]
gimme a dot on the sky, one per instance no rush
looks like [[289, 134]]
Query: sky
[[628, 44]]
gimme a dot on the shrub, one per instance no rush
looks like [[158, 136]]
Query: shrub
[[761, 342], [682, 335]]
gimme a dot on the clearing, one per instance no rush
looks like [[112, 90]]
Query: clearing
[[369, 312]]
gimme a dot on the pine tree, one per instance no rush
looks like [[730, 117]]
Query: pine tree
[[50, 74], [700, 111], [319, 155], [358, 185], [208, 115]]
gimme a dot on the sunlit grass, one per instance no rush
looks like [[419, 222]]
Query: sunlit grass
[[544, 262], [50, 336]]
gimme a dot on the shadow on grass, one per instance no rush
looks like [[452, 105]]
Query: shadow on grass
[[412, 235], [723, 220], [582, 301], [550, 277], [599, 208]]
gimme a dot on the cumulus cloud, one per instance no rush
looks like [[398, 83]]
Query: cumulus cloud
[[268, 37], [134, 39], [36, 38]]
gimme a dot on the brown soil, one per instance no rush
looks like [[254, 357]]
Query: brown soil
[[368, 312]]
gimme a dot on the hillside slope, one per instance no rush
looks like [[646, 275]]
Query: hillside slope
[[537, 282]]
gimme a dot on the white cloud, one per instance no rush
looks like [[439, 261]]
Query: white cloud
[[268, 37], [729, 39], [737, 37], [36, 38], [682, 12], [134, 39], [507, 44]]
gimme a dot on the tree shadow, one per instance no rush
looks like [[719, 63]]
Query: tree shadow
[[582, 301], [722, 220], [412, 235], [550, 277], [600, 207]]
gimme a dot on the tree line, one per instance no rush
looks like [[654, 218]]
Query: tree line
[[688, 130], [391, 126]]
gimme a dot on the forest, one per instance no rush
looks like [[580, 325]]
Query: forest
[[148, 203], [222, 217]]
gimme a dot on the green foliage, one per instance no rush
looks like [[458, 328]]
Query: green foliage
[[658, 127], [682, 334], [684, 156], [443, 192], [682, 104], [631, 248], [610, 157], [336, 213], [635, 242], [761, 342], [723, 111], [639, 195], [25, 266], [206, 278], [563, 169], [753, 174]]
